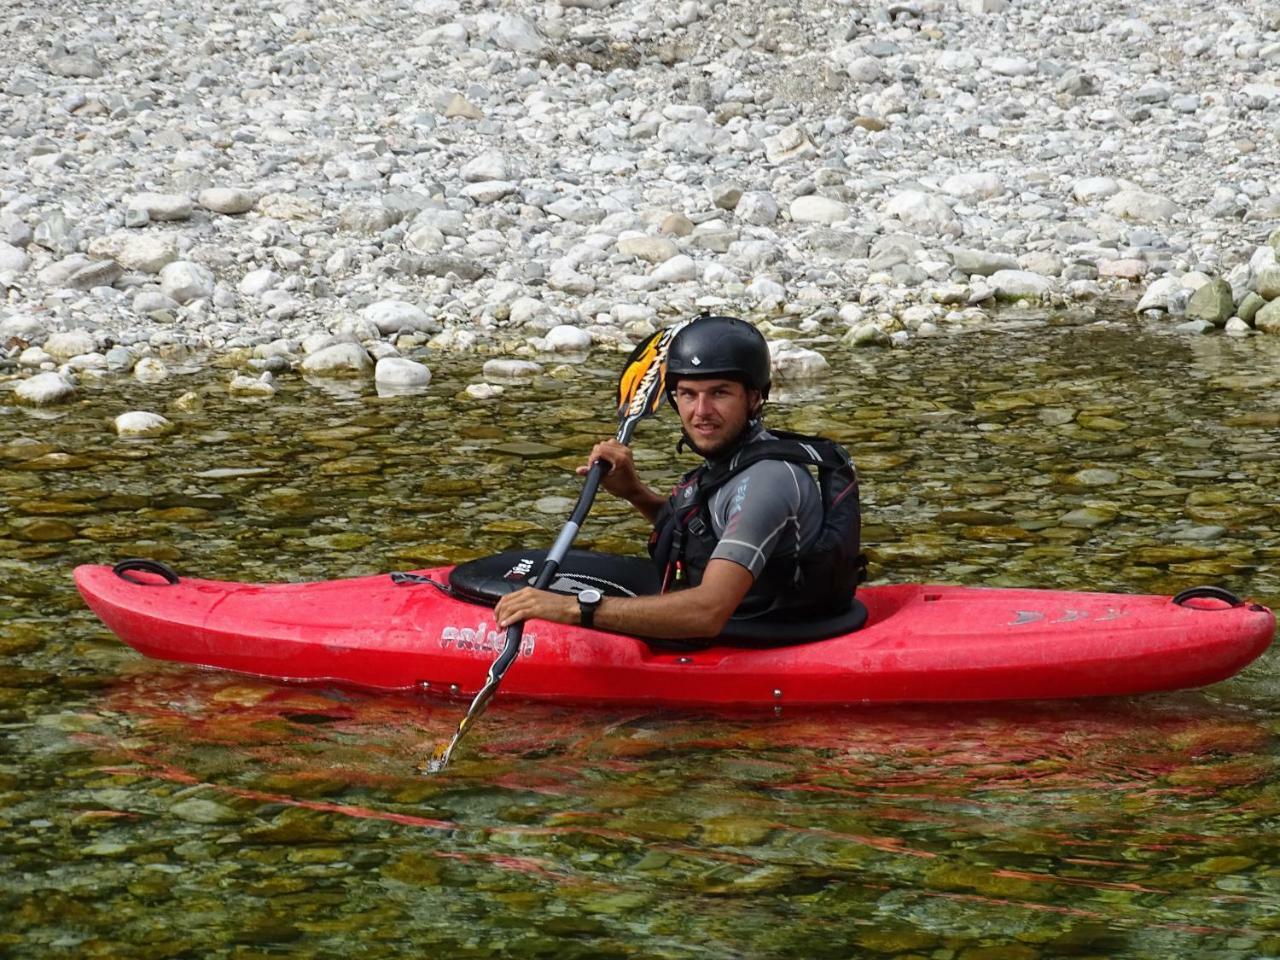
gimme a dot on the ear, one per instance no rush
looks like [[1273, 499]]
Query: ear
[[755, 402]]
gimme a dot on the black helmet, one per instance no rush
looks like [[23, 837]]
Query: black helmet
[[719, 347]]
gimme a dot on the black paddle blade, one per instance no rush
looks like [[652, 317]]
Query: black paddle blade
[[640, 387]]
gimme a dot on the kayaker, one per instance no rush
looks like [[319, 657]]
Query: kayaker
[[749, 533]]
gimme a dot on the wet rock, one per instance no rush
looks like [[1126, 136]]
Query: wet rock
[[150, 370], [197, 810], [141, 423], [339, 360], [45, 389], [252, 387], [71, 343], [401, 372], [1212, 302]]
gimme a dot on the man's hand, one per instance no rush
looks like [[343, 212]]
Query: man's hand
[[622, 480], [530, 604]]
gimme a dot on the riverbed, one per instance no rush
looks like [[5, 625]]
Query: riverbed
[[155, 810]]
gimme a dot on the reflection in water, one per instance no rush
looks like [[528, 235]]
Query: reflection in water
[[152, 810]]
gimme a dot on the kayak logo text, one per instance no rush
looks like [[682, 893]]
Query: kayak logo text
[[1069, 616], [482, 640]]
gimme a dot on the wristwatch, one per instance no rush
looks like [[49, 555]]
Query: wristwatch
[[588, 600]]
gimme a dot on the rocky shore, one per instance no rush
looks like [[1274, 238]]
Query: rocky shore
[[348, 189]]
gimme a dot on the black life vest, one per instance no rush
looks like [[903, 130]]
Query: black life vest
[[819, 581]]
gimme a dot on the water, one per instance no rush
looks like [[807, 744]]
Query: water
[[152, 810]]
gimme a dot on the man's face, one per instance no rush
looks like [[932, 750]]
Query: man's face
[[714, 412]]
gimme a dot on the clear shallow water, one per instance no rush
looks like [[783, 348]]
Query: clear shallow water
[[152, 810]]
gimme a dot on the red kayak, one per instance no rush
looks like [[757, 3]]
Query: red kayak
[[915, 642]]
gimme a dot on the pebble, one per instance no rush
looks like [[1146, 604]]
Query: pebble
[[141, 423], [45, 389], [401, 372], [508, 188]]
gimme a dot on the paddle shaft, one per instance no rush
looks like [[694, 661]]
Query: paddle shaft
[[511, 645]]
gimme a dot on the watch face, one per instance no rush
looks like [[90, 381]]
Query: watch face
[[590, 595]]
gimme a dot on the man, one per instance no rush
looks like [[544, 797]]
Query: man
[[747, 534]]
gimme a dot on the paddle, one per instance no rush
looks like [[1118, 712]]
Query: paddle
[[640, 392]]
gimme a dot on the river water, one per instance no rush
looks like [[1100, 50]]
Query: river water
[[153, 810]]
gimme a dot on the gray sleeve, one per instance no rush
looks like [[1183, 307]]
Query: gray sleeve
[[767, 510]]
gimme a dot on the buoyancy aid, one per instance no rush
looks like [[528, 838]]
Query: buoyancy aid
[[819, 581]]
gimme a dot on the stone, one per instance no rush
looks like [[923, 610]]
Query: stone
[[13, 260], [1141, 206], [757, 207], [226, 200], [251, 387], [1266, 282], [816, 209], [1267, 319], [923, 212], [143, 252], [489, 191], [725, 195], [1128, 268], [257, 282], [392, 316], [141, 423], [508, 369], [460, 108], [401, 372], [678, 269], [649, 249], [517, 34], [161, 206], [1249, 306], [792, 363], [288, 206], [150, 370], [71, 343], [45, 389], [1019, 284], [185, 281], [1213, 302], [339, 360], [788, 145], [565, 338], [981, 263], [491, 165], [973, 186], [676, 225]]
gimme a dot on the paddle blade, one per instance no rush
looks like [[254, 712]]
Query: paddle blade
[[641, 385]]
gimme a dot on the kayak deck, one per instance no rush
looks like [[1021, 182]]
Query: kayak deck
[[920, 643]]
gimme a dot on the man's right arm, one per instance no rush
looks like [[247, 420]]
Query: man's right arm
[[622, 479]]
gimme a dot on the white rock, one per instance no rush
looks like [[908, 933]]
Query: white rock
[[483, 391], [243, 386], [141, 423], [257, 282], [226, 200], [514, 32], [34, 357], [150, 370], [789, 144], [44, 389], [392, 316], [146, 252], [1156, 296], [1015, 284], [507, 369], [816, 209], [758, 207], [526, 310], [185, 281], [13, 260], [492, 165], [401, 372], [23, 327], [678, 269], [1094, 188], [1141, 206], [338, 360], [71, 343], [568, 339], [923, 212], [1010, 66], [792, 363], [649, 249], [765, 290], [161, 206], [489, 191], [973, 186]]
